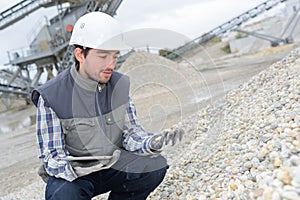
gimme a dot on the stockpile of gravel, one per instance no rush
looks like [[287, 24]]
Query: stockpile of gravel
[[246, 146], [152, 74]]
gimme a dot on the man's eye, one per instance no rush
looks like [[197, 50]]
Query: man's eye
[[102, 57]]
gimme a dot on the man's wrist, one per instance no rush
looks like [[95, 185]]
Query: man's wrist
[[147, 148], [156, 143]]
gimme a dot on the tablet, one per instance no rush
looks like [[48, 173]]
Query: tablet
[[74, 158]]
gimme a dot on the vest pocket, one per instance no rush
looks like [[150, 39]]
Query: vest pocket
[[85, 136], [81, 135], [114, 122], [116, 117]]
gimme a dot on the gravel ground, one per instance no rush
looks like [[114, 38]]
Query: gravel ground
[[243, 146]]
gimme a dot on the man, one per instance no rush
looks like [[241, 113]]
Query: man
[[88, 135]]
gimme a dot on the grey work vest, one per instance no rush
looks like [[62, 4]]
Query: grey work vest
[[90, 127]]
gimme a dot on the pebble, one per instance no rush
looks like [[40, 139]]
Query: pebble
[[260, 138], [247, 144]]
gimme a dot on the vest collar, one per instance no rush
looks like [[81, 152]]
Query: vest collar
[[84, 83]]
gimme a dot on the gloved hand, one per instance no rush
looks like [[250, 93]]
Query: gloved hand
[[43, 174], [85, 168], [158, 141]]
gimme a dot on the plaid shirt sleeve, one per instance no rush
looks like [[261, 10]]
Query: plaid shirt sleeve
[[51, 143], [135, 138]]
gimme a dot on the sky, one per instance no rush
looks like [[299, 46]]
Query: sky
[[189, 18]]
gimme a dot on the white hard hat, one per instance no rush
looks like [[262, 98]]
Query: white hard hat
[[98, 30]]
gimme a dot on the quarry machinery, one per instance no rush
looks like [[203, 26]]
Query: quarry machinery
[[287, 35], [49, 48], [230, 25]]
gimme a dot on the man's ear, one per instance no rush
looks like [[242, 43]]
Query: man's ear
[[78, 53]]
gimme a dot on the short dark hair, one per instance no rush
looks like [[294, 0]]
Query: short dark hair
[[85, 51]]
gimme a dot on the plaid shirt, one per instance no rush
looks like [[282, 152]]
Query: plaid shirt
[[51, 142]]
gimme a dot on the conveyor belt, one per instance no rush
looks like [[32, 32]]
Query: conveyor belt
[[223, 28]]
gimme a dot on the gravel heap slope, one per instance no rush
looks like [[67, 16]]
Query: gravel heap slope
[[246, 146]]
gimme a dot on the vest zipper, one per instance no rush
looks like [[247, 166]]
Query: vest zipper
[[100, 87], [100, 113]]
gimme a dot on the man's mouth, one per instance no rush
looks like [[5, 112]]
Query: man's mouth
[[107, 73]]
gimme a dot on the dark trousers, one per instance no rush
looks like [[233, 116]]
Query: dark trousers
[[123, 185]]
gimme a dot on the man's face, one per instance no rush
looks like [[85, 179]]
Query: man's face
[[98, 64]]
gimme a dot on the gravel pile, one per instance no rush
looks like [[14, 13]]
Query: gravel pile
[[151, 74], [245, 146]]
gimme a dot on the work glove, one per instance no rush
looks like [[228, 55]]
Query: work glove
[[43, 174], [83, 168], [168, 137]]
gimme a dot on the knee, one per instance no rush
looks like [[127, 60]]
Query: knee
[[157, 176], [59, 189], [162, 172]]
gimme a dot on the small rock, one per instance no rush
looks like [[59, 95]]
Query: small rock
[[277, 162], [284, 176], [233, 186], [290, 195]]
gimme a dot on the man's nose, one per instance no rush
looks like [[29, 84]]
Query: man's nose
[[111, 64]]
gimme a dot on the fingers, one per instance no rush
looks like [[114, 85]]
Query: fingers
[[116, 153], [179, 132], [83, 168], [115, 156], [168, 137], [82, 171], [173, 137], [43, 174]]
